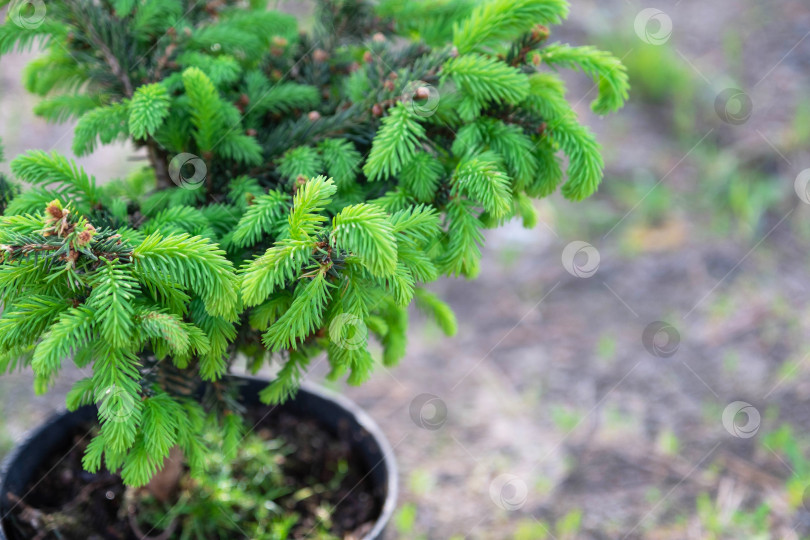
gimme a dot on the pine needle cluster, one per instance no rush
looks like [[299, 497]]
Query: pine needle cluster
[[302, 189]]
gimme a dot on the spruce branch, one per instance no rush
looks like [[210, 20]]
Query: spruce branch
[[196, 264], [206, 109], [263, 217], [287, 380], [114, 289], [73, 331], [304, 316], [497, 21], [395, 143], [137, 277], [103, 124], [148, 109], [547, 98], [606, 70], [421, 175], [482, 179], [302, 161], [278, 265], [43, 169], [462, 251], [365, 231], [309, 201], [484, 81], [112, 60], [440, 312]]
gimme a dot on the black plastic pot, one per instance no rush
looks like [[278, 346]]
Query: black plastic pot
[[335, 413]]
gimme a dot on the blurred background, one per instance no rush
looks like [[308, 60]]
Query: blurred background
[[637, 365]]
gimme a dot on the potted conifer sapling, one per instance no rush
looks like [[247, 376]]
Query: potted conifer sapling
[[298, 192]]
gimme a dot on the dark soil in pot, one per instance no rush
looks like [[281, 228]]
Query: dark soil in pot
[[320, 464]]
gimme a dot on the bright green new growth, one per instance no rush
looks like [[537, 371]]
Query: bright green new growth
[[501, 21], [148, 109], [72, 290], [395, 144], [300, 192]]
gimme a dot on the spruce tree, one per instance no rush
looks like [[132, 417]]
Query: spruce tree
[[301, 190]]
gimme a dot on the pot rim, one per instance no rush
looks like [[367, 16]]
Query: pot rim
[[388, 457], [363, 419]]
